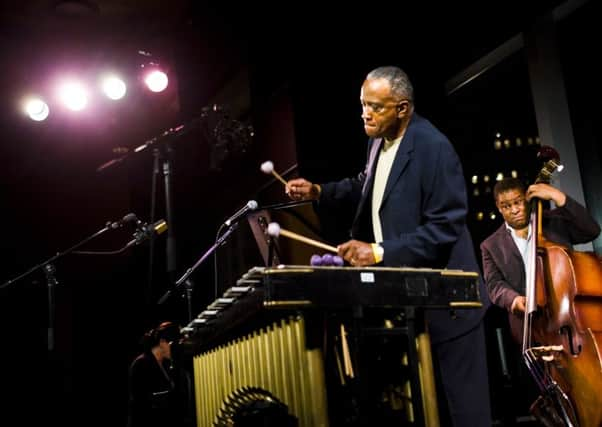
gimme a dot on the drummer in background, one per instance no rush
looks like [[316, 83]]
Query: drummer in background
[[410, 209], [159, 390]]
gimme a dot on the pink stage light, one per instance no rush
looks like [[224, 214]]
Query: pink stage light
[[113, 87], [73, 95], [36, 109], [156, 80]]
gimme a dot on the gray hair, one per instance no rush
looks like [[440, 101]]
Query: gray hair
[[397, 78]]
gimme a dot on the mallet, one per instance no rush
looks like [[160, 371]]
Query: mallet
[[274, 230], [268, 168]]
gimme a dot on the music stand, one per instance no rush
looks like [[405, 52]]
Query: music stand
[[296, 215], [267, 245]]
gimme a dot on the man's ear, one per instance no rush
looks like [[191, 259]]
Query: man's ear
[[403, 108]]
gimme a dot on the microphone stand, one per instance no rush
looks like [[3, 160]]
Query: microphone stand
[[153, 208], [166, 168], [52, 282], [184, 279], [163, 164], [171, 237]]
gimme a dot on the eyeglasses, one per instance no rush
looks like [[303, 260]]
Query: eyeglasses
[[506, 206]]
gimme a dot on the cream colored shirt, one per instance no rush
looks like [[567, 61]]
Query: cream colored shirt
[[381, 175]]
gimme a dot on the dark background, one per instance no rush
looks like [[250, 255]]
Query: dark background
[[290, 72]]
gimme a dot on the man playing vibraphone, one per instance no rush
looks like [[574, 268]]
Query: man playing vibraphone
[[411, 209]]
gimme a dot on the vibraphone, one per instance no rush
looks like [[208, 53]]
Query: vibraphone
[[274, 364]]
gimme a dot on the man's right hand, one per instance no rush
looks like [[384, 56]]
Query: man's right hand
[[519, 304], [302, 189]]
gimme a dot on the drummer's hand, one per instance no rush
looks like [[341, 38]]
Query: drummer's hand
[[357, 253], [546, 192], [302, 189]]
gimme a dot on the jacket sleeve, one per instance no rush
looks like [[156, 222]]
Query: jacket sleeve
[[343, 192], [347, 192], [580, 225], [500, 291]]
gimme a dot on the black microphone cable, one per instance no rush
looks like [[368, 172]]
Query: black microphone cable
[[215, 278]]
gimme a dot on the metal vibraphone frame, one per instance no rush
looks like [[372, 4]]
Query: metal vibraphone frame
[[255, 338]]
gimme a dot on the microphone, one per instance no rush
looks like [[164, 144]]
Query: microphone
[[127, 218], [146, 231], [250, 206], [286, 205]]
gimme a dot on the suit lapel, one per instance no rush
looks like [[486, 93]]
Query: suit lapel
[[371, 165], [508, 245], [369, 171]]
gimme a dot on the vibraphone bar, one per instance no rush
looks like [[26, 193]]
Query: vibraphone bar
[[271, 363]]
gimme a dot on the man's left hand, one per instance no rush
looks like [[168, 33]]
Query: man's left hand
[[546, 192], [357, 253]]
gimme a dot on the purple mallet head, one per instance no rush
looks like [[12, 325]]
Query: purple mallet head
[[315, 260], [338, 261], [327, 259]]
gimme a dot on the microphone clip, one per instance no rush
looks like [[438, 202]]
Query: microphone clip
[[127, 218], [145, 231]]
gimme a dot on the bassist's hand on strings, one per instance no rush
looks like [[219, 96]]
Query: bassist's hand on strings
[[519, 304]]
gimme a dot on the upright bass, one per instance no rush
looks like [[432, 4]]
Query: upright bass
[[562, 337]]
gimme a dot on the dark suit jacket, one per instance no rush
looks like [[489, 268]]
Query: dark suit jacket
[[503, 266], [423, 214]]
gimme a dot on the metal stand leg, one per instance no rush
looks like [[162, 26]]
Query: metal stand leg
[[424, 393]]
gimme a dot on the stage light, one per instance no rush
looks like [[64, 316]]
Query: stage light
[[156, 80], [36, 109], [113, 87], [73, 95]]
